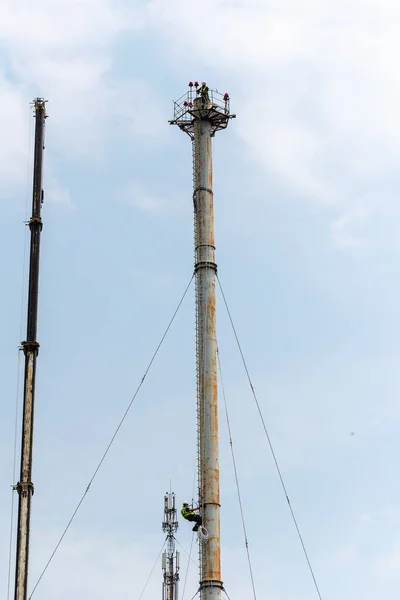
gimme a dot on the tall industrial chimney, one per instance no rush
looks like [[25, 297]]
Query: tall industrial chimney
[[201, 113]]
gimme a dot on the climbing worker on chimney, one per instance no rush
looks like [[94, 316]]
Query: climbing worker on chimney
[[188, 514]]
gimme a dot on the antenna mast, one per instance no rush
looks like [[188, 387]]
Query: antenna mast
[[201, 113], [170, 558], [31, 348]]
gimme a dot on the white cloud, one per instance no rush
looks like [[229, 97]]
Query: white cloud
[[14, 122], [389, 563], [347, 556], [63, 51], [342, 229], [138, 107], [138, 197], [57, 193], [316, 88], [50, 27], [53, 50], [365, 519]]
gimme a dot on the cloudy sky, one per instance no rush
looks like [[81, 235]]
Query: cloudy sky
[[306, 204]]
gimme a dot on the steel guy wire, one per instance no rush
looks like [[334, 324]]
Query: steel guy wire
[[184, 549], [236, 476], [191, 543], [275, 459], [226, 593], [114, 436], [187, 568], [152, 570]]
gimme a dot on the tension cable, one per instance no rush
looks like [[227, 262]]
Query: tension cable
[[187, 568], [184, 549], [270, 444], [236, 476], [114, 436], [152, 570]]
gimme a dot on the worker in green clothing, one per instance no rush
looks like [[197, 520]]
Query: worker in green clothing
[[203, 91], [188, 514]]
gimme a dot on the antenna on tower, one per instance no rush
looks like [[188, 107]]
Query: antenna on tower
[[200, 113], [170, 557]]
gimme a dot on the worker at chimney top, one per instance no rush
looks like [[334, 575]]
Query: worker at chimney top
[[203, 91], [188, 514]]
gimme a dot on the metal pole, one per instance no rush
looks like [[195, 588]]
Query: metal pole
[[205, 268], [201, 119], [31, 348]]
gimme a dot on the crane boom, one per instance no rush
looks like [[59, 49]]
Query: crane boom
[[30, 347]]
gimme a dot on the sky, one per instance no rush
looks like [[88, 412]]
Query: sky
[[306, 203]]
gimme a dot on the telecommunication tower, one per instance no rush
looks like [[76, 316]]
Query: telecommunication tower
[[201, 113], [170, 558]]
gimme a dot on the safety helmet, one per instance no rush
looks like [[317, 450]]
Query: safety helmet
[[186, 502], [203, 83]]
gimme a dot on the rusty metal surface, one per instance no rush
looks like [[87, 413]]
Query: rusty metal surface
[[201, 117], [207, 357], [24, 486]]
